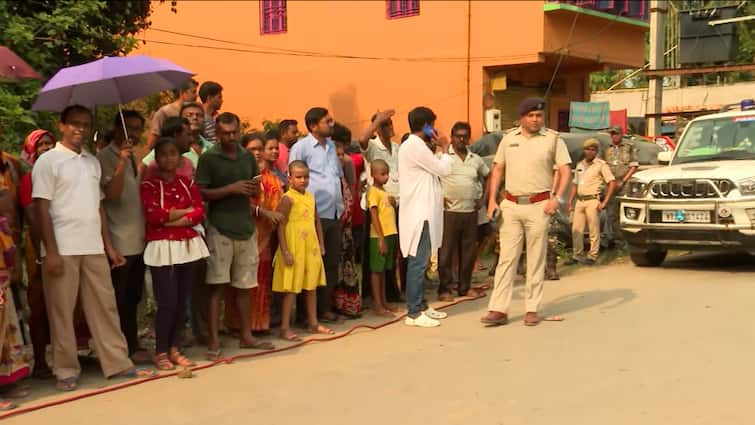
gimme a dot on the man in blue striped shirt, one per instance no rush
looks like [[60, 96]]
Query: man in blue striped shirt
[[319, 152]]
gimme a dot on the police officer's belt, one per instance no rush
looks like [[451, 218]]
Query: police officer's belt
[[528, 199], [586, 197]]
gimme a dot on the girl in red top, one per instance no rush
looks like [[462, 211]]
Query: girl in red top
[[172, 206]]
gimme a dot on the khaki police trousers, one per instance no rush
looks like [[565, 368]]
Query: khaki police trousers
[[586, 211], [518, 221], [86, 277]]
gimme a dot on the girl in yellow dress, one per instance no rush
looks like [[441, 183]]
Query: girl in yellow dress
[[298, 261]]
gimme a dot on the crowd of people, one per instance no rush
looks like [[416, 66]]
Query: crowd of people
[[264, 231]]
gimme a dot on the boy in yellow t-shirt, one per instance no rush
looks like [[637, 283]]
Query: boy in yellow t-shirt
[[383, 236]]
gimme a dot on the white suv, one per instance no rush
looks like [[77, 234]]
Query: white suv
[[703, 200]]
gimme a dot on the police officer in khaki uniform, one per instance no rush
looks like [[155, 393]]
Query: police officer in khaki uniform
[[525, 158], [589, 177], [621, 156]]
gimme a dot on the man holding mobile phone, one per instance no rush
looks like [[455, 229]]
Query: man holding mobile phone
[[125, 222], [225, 175], [421, 214]]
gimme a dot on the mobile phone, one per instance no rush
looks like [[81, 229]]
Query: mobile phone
[[429, 131]]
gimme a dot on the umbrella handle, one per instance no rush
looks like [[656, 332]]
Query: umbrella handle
[[123, 121], [125, 135]]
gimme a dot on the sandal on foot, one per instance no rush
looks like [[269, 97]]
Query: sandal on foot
[[16, 392], [383, 313], [213, 355], [474, 293], [67, 384], [331, 318], [257, 345], [162, 362], [177, 358], [320, 329], [140, 356], [137, 372], [6, 405], [290, 336]]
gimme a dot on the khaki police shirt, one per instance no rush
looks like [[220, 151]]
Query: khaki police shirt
[[621, 158], [529, 162], [590, 178]]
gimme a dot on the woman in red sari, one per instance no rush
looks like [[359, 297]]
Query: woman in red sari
[[272, 188]]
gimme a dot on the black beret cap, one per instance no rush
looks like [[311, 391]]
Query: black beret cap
[[531, 104]]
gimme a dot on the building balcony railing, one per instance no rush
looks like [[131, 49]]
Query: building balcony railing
[[635, 9]]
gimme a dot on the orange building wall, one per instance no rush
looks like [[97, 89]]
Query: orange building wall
[[261, 87], [273, 86], [596, 39]]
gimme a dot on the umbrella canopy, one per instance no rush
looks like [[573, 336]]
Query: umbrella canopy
[[109, 81], [13, 68]]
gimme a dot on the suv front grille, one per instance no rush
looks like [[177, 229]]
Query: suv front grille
[[690, 188]]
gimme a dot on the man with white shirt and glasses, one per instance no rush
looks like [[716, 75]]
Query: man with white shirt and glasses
[[76, 249], [422, 161]]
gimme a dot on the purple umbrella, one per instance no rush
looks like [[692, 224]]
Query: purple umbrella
[[109, 81]]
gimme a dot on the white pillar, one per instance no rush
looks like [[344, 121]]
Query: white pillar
[[657, 48]]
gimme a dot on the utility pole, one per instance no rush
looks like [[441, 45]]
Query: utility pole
[[658, 10]]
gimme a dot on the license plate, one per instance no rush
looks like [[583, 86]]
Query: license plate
[[679, 216]]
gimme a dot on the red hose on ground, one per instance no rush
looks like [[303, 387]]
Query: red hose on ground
[[227, 360]]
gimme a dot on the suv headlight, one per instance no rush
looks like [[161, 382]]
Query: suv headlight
[[635, 188], [747, 186]]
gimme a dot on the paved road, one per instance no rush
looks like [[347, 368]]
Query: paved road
[[673, 345]]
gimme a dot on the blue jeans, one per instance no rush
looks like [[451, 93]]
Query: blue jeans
[[415, 275]]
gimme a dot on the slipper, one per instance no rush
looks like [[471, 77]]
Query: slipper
[[141, 356], [6, 405], [257, 345], [162, 362], [474, 294], [331, 318], [67, 384], [499, 321], [16, 392], [554, 319], [290, 336], [320, 329], [213, 356], [137, 372]]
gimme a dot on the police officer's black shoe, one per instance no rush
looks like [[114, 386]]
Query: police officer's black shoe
[[588, 262], [571, 261]]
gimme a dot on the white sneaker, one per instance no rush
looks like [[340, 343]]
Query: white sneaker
[[435, 314], [421, 321]]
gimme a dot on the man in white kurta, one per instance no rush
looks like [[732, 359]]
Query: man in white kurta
[[421, 212]]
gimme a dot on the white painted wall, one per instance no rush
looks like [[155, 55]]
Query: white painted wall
[[688, 98]]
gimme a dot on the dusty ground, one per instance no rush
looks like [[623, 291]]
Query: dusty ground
[[672, 345]]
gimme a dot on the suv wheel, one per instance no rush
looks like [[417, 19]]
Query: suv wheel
[[643, 257]]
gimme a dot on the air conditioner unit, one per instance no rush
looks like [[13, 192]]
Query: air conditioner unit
[[493, 120]]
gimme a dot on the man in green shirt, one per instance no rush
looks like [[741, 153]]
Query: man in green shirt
[[226, 177]]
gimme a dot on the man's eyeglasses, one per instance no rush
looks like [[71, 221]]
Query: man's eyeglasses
[[461, 136]]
